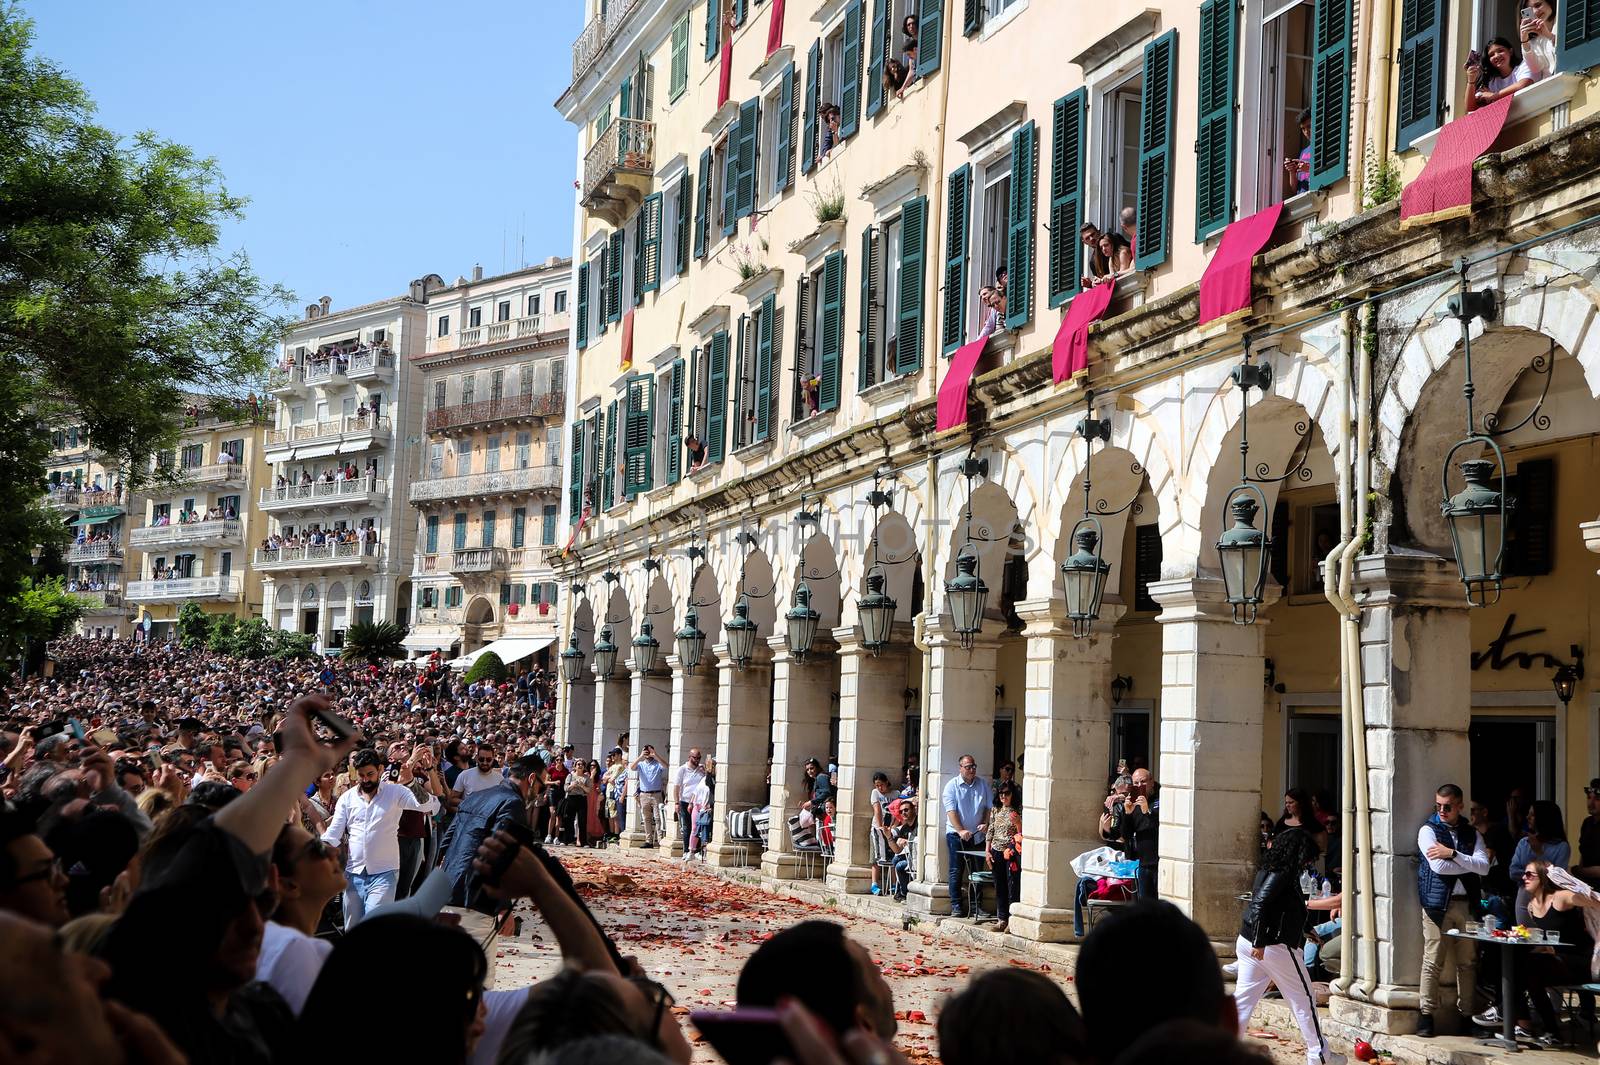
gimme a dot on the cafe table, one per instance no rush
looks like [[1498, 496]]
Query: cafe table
[[1507, 1039]]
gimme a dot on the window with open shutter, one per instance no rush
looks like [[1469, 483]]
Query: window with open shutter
[[713, 28], [1578, 35], [808, 130], [608, 476], [649, 266], [675, 423], [1146, 565], [832, 339], [702, 222], [636, 436], [804, 366], [744, 385], [1156, 128], [866, 363], [1066, 195], [972, 16], [749, 132], [717, 398], [1420, 107], [783, 165], [764, 382], [1330, 92], [913, 256], [625, 98], [1214, 143], [614, 283], [850, 72], [582, 324], [1019, 234], [685, 222], [730, 177], [1530, 538], [741, 11], [575, 492], [930, 36], [680, 57], [958, 199], [877, 52], [602, 288]]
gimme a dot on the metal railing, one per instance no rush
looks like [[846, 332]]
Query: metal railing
[[82, 497], [215, 473], [348, 425], [316, 555], [599, 33], [628, 145], [219, 530], [440, 615], [357, 490], [484, 559], [98, 598], [531, 479], [93, 552], [369, 362], [506, 408], [186, 588]]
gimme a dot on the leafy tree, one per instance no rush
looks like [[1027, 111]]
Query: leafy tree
[[194, 626], [116, 298], [251, 638], [373, 642], [41, 611], [487, 667], [290, 646]]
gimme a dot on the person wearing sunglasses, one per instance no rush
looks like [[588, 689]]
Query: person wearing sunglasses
[[32, 882], [309, 876], [1449, 888]]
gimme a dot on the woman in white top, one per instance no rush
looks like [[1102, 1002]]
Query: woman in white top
[[1500, 73], [1538, 31], [309, 876]]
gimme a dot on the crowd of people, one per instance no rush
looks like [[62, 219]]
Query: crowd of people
[[336, 474], [216, 512], [316, 536]]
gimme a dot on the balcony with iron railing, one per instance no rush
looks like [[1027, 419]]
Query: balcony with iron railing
[[618, 171], [215, 475], [485, 485], [601, 31], [370, 364], [431, 615], [218, 532], [97, 552], [221, 588], [318, 556], [464, 417], [356, 492], [85, 499], [355, 431]]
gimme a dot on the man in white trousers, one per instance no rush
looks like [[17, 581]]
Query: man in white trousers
[[1271, 937]]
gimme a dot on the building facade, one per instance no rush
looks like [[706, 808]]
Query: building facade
[[337, 545], [91, 497], [196, 517], [490, 478]]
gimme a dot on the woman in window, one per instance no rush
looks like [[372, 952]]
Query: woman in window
[[894, 78], [1499, 73], [1114, 251], [908, 49], [1297, 169], [1539, 37]]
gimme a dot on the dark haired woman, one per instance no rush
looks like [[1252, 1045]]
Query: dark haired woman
[[1546, 841], [1272, 935], [1003, 834], [1500, 72]]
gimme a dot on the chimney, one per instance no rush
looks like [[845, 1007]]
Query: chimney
[[326, 302], [477, 272], [312, 310]]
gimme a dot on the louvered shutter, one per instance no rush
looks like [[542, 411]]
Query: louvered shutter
[[1156, 118], [741, 11], [608, 476], [713, 29], [808, 130], [850, 74], [803, 340], [680, 265], [717, 398], [650, 242], [1421, 102], [1019, 234], [1066, 195], [638, 255], [958, 196], [702, 222], [783, 165], [636, 436], [1214, 144], [742, 426], [913, 256], [602, 285], [877, 52], [1578, 35], [972, 17], [866, 375], [730, 177], [930, 36], [764, 343], [614, 286], [575, 497], [582, 325], [749, 131], [1330, 92], [625, 99], [832, 339], [674, 469]]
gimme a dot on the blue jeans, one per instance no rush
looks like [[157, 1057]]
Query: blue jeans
[[1325, 930], [1147, 882], [366, 891], [954, 845], [1086, 886]]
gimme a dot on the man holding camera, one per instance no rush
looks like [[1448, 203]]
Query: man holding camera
[[652, 788], [369, 815]]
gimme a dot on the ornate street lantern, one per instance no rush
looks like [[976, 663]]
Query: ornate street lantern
[[571, 662], [741, 634], [1083, 577], [646, 648], [605, 655], [1566, 683], [802, 621], [968, 595], [1244, 553], [877, 613], [1477, 519], [691, 641]]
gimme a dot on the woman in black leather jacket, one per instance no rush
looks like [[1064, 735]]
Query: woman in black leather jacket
[[1271, 935]]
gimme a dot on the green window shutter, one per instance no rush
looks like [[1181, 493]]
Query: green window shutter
[[877, 52], [730, 178], [713, 29], [614, 283], [930, 36], [741, 11], [1066, 195], [913, 256], [602, 287], [433, 533], [680, 264], [1421, 103], [1214, 145], [575, 492], [519, 526], [625, 98], [674, 469], [958, 201], [487, 528], [460, 540], [1019, 236], [808, 129], [638, 256], [972, 17], [680, 57], [608, 480], [783, 166], [1330, 92], [1157, 114], [764, 349], [850, 77], [717, 398], [866, 375], [832, 340], [1578, 36], [650, 241], [549, 530], [741, 353], [702, 222], [802, 345], [749, 129], [582, 324]]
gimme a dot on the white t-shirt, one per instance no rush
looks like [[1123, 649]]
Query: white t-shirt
[[685, 778], [475, 779], [880, 801], [289, 961]]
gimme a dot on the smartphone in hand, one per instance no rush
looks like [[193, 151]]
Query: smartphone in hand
[[749, 1035]]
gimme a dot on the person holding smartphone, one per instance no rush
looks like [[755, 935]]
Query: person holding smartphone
[[1537, 28]]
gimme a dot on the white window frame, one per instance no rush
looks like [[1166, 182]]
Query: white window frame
[[767, 148], [630, 235], [491, 454], [534, 304], [1110, 132], [832, 61], [1262, 115], [697, 412], [989, 172], [743, 379], [719, 177], [558, 302], [659, 428], [668, 179]]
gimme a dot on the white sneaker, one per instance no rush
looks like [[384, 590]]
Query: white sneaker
[[1232, 968]]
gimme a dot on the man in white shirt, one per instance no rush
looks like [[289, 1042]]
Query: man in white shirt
[[369, 815], [480, 776], [685, 779], [1447, 883]]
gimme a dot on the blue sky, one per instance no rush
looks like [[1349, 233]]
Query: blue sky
[[377, 140]]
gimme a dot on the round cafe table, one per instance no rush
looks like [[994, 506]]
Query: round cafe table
[[1507, 1039]]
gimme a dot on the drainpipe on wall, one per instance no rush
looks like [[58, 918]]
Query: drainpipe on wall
[[1358, 111], [1377, 119]]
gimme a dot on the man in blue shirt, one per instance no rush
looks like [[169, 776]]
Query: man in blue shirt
[[966, 812], [652, 787], [482, 814]]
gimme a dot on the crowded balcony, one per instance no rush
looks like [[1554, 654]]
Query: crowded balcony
[[618, 171], [223, 589], [104, 503], [215, 475], [354, 555], [487, 485], [345, 435], [370, 364], [96, 594], [286, 380], [97, 551], [524, 409], [216, 532], [598, 33], [352, 492]]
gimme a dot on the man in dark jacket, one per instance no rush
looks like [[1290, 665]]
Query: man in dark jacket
[[1271, 935], [480, 815]]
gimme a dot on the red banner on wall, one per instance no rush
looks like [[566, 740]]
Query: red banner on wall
[[1069, 354], [1225, 286], [627, 340], [775, 28], [1444, 188], [952, 409]]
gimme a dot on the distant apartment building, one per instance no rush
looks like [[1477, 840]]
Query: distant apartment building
[[91, 498]]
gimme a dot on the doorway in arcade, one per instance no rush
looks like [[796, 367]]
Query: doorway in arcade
[[1513, 755]]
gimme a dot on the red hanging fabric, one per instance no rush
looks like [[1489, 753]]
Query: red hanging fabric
[[627, 340], [775, 28], [725, 76], [1444, 188], [952, 409], [1225, 286], [1069, 354]]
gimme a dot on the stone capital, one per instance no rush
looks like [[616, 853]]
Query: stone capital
[[1409, 579], [848, 640], [822, 646], [1048, 617], [942, 633], [721, 658], [1202, 598]]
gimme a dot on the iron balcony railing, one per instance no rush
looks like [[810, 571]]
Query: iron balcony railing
[[219, 587], [627, 146], [506, 408], [529, 479], [598, 33], [355, 491]]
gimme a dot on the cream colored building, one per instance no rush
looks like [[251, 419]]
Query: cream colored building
[[490, 480], [802, 318], [90, 496], [195, 518]]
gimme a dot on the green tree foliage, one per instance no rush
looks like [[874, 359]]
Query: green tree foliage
[[42, 610], [373, 642], [116, 298], [288, 646], [194, 626], [487, 667]]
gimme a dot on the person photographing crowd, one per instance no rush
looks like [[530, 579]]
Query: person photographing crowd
[[366, 820]]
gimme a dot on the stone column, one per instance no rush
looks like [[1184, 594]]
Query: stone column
[[871, 740], [1416, 653], [802, 707], [1067, 744], [576, 723], [744, 723], [961, 721], [613, 709], [1212, 706], [650, 723], [693, 724]]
